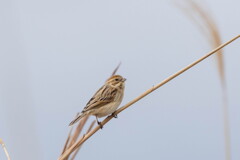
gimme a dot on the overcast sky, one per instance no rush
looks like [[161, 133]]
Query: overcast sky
[[54, 54]]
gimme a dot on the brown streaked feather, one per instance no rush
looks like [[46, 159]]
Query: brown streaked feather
[[77, 118], [103, 96]]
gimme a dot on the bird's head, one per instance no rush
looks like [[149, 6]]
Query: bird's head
[[116, 80]]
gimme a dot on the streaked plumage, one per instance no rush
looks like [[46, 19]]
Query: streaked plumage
[[106, 100]]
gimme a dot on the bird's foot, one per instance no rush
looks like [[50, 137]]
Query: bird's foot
[[100, 124], [114, 115]]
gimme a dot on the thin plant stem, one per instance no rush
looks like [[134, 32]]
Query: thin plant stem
[[211, 31], [226, 126], [5, 149], [106, 120], [116, 69], [89, 129]]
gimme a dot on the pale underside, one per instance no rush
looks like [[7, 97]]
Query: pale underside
[[104, 102]]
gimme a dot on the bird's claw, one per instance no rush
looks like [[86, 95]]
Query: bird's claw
[[114, 115], [100, 124]]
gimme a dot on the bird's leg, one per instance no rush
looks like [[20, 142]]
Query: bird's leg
[[114, 115], [99, 123]]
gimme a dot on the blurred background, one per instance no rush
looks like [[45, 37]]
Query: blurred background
[[54, 55]]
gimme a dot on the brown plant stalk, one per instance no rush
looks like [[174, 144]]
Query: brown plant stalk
[[72, 137], [77, 150], [5, 149], [106, 120], [206, 23]]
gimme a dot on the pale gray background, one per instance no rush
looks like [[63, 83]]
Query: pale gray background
[[54, 54]]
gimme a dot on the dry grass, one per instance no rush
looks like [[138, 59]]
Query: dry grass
[[72, 137], [85, 137], [5, 149], [116, 69], [207, 25]]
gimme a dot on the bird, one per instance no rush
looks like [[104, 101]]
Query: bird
[[105, 101]]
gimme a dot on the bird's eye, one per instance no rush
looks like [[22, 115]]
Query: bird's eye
[[116, 79]]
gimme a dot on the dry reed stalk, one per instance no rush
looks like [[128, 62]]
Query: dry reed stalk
[[5, 149], [78, 130], [67, 141], [116, 69], [208, 26], [77, 150], [106, 120], [72, 138]]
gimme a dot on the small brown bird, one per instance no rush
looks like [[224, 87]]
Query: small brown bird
[[106, 100]]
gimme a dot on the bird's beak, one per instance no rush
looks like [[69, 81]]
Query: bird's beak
[[124, 79]]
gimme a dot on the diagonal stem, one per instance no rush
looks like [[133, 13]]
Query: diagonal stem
[[106, 120], [5, 149]]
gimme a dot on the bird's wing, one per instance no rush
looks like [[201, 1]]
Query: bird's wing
[[103, 96]]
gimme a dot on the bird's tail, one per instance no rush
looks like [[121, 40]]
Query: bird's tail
[[81, 115]]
